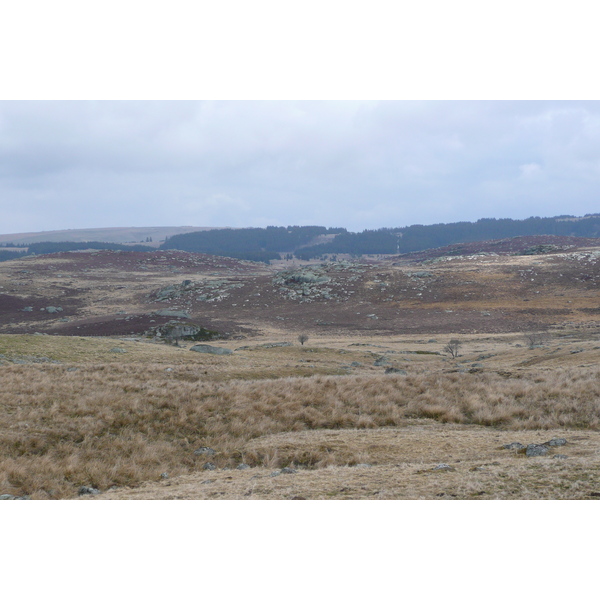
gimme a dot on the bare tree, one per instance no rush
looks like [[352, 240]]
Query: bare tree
[[302, 338], [536, 338], [452, 347]]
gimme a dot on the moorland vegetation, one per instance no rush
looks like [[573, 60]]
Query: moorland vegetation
[[398, 377]]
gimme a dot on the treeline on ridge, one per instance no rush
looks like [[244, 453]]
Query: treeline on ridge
[[271, 243], [402, 240], [10, 255], [52, 247], [253, 243]]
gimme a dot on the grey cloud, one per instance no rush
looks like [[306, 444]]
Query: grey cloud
[[354, 164]]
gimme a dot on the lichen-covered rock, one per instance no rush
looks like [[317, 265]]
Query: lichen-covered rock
[[556, 442], [206, 349], [443, 467], [536, 450], [205, 450], [514, 446], [175, 330]]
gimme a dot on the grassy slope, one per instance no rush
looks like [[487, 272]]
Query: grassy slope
[[120, 419]]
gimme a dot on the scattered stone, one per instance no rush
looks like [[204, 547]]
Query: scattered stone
[[209, 466], [168, 369], [391, 370], [164, 475], [275, 473], [28, 309], [381, 362], [443, 467], [355, 364], [206, 349], [118, 350], [175, 330], [53, 309], [205, 450], [242, 467], [556, 442], [207, 481], [168, 293], [84, 489], [560, 456], [364, 465], [514, 446], [536, 450], [7, 497], [288, 471]]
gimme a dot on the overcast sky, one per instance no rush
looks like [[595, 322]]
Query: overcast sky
[[79, 164]]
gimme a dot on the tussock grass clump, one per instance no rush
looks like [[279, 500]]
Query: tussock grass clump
[[124, 424]]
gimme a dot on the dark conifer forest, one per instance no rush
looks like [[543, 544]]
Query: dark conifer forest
[[309, 242]]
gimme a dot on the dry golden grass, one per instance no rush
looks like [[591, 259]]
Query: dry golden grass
[[123, 424]]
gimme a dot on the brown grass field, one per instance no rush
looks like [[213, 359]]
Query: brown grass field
[[113, 409], [117, 426]]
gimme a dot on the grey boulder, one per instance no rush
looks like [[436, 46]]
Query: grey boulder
[[206, 349], [536, 450]]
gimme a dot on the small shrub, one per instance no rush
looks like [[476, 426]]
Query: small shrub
[[537, 338], [452, 347]]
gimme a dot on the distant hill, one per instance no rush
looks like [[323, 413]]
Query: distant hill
[[416, 238], [314, 242], [115, 235], [302, 242], [255, 243]]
